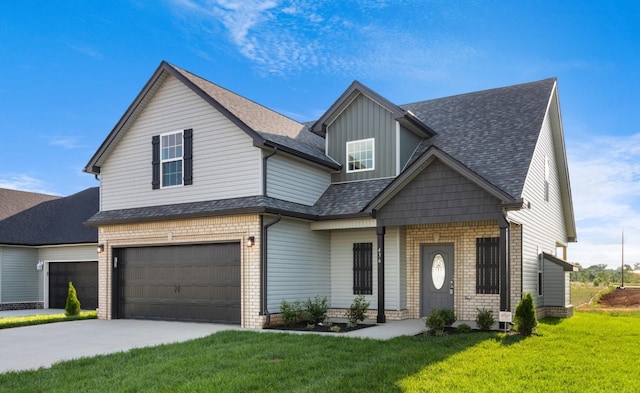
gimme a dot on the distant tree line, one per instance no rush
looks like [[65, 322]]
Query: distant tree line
[[600, 275]]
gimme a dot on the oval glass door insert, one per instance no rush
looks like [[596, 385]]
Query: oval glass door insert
[[438, 271]]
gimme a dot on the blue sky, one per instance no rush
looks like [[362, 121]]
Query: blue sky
[[69, 69]]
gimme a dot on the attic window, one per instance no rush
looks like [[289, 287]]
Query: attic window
[[171, 151], [361, 155]]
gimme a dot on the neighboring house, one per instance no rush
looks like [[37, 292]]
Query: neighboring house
[[14, 201], [45, 247], [215, 208]]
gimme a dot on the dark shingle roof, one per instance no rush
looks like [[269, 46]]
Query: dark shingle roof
[[349, 198], [59, 221], [492, 132], [14, 201]]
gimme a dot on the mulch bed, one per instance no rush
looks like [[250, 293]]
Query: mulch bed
[[305, 327]]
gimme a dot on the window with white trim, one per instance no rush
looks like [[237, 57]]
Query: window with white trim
[[361, 155], [171, 163]]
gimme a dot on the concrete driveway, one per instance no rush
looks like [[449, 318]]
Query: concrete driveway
[[32, 347]]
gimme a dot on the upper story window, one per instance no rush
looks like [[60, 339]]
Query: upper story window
[[361, 155], [547, 175], [171, 159]]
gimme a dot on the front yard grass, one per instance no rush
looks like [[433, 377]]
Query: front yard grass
[[11, 322], [594, 352]]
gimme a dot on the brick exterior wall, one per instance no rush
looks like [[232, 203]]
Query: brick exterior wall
[[177, 232], [463, 236], [22, 306]]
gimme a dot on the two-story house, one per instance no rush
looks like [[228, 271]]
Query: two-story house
[[215, 208]]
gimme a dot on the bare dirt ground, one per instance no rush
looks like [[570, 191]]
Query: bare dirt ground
[[622, 298]]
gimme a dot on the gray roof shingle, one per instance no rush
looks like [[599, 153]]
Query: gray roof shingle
[[59, 221]]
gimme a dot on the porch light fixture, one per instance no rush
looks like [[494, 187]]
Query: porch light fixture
[[251, 240], [40, 265], [100, 248]]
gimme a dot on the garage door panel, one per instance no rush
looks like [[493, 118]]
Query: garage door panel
[[193, 282], [83, 275]]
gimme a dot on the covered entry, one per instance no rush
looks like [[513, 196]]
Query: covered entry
[[198, 282], [83, 275]]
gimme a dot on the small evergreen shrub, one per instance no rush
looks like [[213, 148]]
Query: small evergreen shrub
[[484, 319], [448, 316], [72, 306], [316, 309], [464, 328], [435, 322], [525, 317], [357, 312], [291, 312]]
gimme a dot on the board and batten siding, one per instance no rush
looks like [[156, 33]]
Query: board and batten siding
[[68, 253], [21, 281], [363, 119], [408, 144], [553, 282], [295, 181], [298, 263], [225, 162], [543, 225], [342, 268]]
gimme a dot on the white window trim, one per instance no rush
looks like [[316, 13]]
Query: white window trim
[[373, 157], [162, 161]]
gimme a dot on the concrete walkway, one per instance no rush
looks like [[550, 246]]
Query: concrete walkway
[[32, 347]]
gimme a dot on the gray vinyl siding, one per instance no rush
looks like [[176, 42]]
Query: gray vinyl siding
[[342, 267], [21, 281], [225, 162], [553, 278], [408, 143], [439, 195], [295, 181], [543, 225], [298, 263], [69, 253], [363, 119]]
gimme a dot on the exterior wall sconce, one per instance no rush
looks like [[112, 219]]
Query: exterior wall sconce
[[251, 240], [40, 265], [100, 248]]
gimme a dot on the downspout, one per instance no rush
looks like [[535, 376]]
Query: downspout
[[263, 269], [264, 170], [505, 287]]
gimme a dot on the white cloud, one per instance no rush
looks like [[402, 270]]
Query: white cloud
[[605, 182], [23, 182], [87, 51], [283, 37], [66, 142]]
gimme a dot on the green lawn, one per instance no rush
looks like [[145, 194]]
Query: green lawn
[[591, 352], [11, 322], [581, 293]]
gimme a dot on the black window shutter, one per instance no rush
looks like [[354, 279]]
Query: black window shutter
[[488, 265], [188, 156], [155, 162], [362, 268]]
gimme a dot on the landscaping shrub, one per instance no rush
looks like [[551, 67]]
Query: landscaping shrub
[[464, 328], [484, 319], [357, 312], [316, 309], [291, 312], [525, 317], [448, 316], [435, 322], [72, 306]]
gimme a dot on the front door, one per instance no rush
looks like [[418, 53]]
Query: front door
[[436, 277]]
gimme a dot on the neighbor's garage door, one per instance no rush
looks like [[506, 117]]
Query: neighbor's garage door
[[187, 283], [83, 275]]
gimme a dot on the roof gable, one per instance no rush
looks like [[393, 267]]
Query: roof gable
[[405, 117], [264, 126]]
